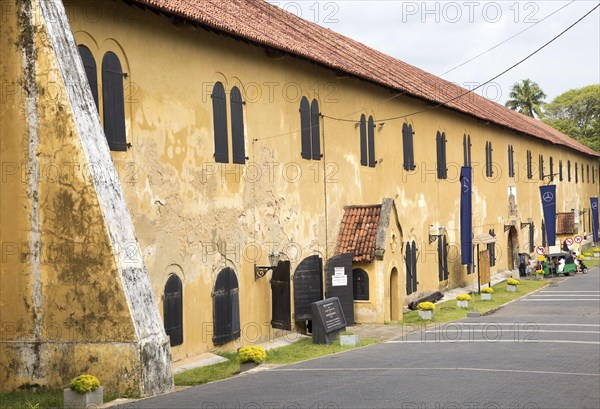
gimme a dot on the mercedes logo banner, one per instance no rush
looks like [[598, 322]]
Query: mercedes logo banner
[[548, 194], [594, 205], [466, 220]]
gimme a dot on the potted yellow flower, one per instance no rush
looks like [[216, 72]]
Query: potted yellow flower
[[539, 274], [462, 300], [250, 357], [426, 310], [511, 284], [486, 293], [83, 392]]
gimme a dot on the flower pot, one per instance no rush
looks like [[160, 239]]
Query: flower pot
[[246, 366], [539, 276], [75, 400], [462, 304], [596, 254], [511, 288], [486, 296], [349, 340], [425, 314]]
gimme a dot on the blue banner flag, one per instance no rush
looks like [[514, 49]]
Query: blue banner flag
[[594, 203], [548, 194], [466, 219]]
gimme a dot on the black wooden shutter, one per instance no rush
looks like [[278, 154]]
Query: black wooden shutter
[[576, 173], [511, 161], [315, 129], [414, 266], [487, 159], [408, 266], [363, 141], [438, 150], [280, 297], [588, 173], [305, 128], [444, 158], [551, 169], [411, 268], [440, 259], [226, 308], [220, 123], [569, 170], [531, 238], [113, 102], [89, 63], [560, 171], [469, 149], [491, 161], [173, 310], [407, 147], [371, 140], [308, 286], [466, 163], [593, 174], [445, 258], [541, 167], [237, 126], [361, 284]]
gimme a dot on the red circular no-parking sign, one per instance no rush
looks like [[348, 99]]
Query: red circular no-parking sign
[[569, 241], [578, 239], [540, 250]]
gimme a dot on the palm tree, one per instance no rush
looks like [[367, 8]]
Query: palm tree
[[527, 98]]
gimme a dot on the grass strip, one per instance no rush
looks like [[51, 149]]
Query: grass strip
[[448, 311]]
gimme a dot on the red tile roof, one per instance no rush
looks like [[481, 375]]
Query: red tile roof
[[565, 223], [358, 232], [261, 23]]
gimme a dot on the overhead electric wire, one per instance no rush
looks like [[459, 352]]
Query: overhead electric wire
[[343, 119], [480, 85]]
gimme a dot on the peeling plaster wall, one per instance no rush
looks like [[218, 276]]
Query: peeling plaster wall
[[195, 217], [90, 296]]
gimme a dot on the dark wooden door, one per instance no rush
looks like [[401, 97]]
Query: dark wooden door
[[281, 314], [308, 286], [226, 308], [340, 283]]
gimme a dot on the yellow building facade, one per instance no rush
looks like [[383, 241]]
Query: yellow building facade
[[196, 222]]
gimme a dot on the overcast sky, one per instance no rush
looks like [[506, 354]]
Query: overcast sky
[[439, 35]]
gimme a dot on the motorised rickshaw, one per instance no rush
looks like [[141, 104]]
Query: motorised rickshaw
[[550, 265]]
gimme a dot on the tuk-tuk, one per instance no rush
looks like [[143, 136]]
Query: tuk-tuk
[[550, 266]]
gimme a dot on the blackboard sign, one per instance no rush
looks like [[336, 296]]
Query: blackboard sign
[[328, 320]]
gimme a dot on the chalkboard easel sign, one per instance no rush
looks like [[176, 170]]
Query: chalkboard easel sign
[[328, 320]]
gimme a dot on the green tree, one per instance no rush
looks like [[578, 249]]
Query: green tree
[[577, 113], [527, 98]]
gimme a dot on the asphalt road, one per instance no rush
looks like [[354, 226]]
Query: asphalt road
[[542, 351]]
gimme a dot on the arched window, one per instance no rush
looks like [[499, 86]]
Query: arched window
[[220, 123], [237, 126], [467, 149], [363, 141], [113, 102], [360, 280], [310, 131], [226, 308], [408, 147], [89, 64], [305, 128], [173, 310]]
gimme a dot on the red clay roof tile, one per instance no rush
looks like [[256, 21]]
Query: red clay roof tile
[[358, 232], [265, 24]]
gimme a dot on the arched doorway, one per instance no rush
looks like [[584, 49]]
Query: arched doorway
[[512, 249], [395, 295], [173, 310], [226, 308]]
